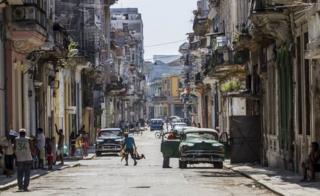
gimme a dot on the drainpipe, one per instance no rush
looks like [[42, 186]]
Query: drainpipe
[[3, 45]]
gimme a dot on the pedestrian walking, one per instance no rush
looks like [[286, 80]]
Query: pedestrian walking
[[41, 144], [60, 144], [7, 145], [24, 160], [129, 147]]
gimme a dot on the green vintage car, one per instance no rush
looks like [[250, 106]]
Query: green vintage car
[[195, 145]]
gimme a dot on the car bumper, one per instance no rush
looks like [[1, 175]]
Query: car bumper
[[108, 149], [202, 158]]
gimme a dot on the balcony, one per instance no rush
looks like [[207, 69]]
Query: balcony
[[116, 86], [60, 37], [200, 23], [198, 79], [29, 26], [220, 43], [221, 64]]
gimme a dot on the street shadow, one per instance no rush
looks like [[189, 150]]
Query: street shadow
[[283, 177], [218, 173], [201, 167], [109, 155]]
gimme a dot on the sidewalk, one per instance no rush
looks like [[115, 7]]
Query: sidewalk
[[278, 181], [6, 183]]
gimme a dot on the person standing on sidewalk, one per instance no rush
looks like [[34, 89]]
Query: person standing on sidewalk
[[41, 143], [24, 160], [85, 145], [60, 144], [7, 144]]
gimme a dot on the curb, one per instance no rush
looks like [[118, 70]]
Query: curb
[[255, 180], [80, 159], [90, 158], [15, 183]]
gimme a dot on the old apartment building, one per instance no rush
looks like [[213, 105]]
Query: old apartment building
[[257, 62]]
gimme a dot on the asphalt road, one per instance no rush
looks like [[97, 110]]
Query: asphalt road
[[108, 176]]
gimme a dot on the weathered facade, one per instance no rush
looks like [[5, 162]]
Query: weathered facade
[[260, 61], [45, 54], [164, 87], [126, 89]]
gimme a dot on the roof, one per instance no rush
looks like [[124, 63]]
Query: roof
[[192, 130]]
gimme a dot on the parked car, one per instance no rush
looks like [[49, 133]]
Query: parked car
[[109, 141], [156, 124], [196, 145]]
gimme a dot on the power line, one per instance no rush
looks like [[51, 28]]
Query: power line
[[164, 43]]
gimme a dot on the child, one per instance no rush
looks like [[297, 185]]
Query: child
[[34, 153], [79, 146], [85, 144], [49, 151], [54, 150]]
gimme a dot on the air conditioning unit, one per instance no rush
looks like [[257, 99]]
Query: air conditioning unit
[[18, 13], [24, 13], [30, 13]]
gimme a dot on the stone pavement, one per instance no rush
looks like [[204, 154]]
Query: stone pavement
[[278, 181], [6, 183], [106, 175]]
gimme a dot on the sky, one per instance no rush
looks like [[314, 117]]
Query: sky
[[164, 21]]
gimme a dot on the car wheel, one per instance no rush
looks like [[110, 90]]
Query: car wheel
[[98, 154], [218, 165], [182, 164]]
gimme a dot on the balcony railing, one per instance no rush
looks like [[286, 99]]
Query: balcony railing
[[29, 14]]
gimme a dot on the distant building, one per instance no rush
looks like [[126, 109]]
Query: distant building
[[164, 86], [125, 90]]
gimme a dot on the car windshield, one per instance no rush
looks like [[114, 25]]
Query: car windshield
[[179, 127], [107, 133], [156, 121], [202, 135]]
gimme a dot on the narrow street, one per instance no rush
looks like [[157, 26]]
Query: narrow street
[[108, 176]]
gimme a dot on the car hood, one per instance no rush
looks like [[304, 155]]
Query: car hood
[[110, 137], [200, 143]]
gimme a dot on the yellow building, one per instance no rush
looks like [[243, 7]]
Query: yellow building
[[170, 90]]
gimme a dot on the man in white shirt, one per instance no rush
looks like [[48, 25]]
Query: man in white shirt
[[7, 144], [24, 160]]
